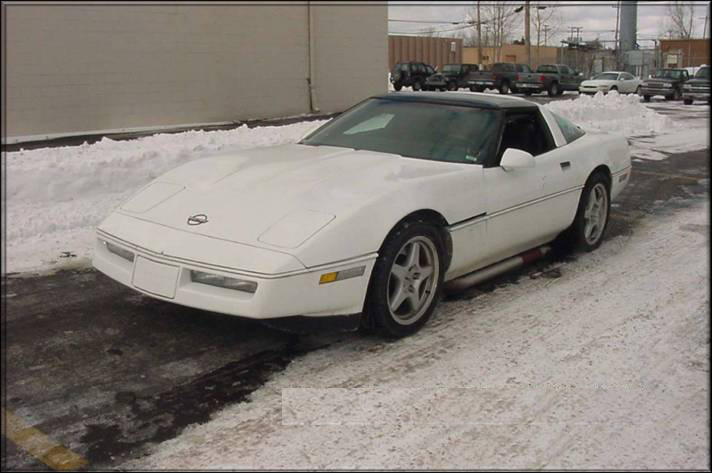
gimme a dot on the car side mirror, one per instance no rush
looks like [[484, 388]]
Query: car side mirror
[[514, 158]]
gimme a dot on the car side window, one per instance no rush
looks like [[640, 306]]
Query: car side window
[[525, 131], [570, 131]]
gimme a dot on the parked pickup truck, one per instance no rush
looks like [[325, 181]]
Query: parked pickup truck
[[452, 77], [666, 82], [501, 76], [552, 78], [697, 88]]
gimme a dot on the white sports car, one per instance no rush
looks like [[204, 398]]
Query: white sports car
[[370, 214], [622, 82]]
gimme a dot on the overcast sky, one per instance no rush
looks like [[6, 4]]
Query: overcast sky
[[598, 19]]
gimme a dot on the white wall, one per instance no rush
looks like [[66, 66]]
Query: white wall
[[86, 68]]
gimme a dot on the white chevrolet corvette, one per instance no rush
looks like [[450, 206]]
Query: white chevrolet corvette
[[370, 214]]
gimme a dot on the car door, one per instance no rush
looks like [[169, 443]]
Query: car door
[[518, 201], [566, 78], [628, 83]]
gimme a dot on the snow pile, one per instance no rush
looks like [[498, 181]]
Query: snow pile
[[613, 112], [56, 196]]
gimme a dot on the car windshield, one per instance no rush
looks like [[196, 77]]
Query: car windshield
[[451, 68], [667, 74], [606, 76], [703, 73], [439, 132]]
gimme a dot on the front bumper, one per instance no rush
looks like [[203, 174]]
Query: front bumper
[[696, 94], [591, 90], [656, 91], [293, 293]]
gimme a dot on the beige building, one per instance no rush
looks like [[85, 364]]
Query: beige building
[[513, 53], [97, 68]]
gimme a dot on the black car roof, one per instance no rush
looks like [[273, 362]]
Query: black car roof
[[460, 98]]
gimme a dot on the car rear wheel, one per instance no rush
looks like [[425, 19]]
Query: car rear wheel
[[646, 98], [637, 90], [687, 101], [504, 88], [407, 278], [613, 88], [586, 233], [397, 86], [417, 86], [452, 86], [553, 89]]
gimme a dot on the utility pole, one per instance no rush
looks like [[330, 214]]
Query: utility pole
[[479, 35], [617, 46], [527, 40], [704, 30]]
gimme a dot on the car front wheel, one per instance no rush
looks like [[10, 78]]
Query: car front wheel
[[586, 233], [688, 101], [397, 86], [407, 278], [416, 86]]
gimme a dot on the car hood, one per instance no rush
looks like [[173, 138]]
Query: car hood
[[274, 197], [597, 82]]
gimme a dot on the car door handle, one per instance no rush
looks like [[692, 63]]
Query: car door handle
[[565, 165]]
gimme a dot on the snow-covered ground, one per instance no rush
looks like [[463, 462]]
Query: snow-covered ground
[[56, 196], [604, 367]]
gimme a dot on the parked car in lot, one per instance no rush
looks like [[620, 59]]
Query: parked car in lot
[[665, 82], [371, 213], [552, 78], [452, 77], [501, 76], [622, 82], [697, 88], [410, 74]]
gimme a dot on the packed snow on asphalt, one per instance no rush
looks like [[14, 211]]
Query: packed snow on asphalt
[[605, 366]]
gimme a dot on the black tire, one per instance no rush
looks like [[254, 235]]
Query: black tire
[[377, 309], [687, 101], [613, 88], [397, 86], [528, 93], [452, 86], [553, 89], [646, 98], [574, 238], [473, 88], [504, 87], [417, 86]]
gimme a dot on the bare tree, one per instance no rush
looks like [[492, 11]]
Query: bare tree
[[680, 19], [546, 21], [502, 20]]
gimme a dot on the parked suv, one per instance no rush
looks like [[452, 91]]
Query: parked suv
[[697, 88], [410, 74], [667, 82], [452, 77]]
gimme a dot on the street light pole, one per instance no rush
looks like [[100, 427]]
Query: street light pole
[[526, 34], [479, 35]]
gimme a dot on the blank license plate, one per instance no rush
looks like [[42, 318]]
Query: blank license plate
[[156, 278]]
